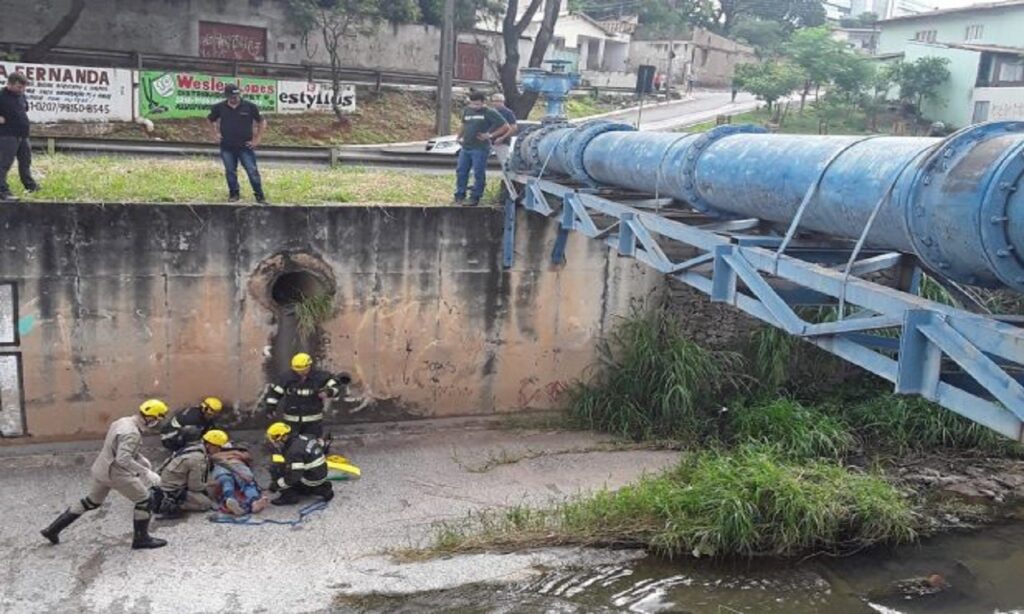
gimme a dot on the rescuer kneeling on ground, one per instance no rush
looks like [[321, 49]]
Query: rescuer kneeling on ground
[[301, 468], [183, 476], [300, 399], [121, 466], [202, 416]]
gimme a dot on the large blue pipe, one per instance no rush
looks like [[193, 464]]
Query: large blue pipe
[[953, 202]]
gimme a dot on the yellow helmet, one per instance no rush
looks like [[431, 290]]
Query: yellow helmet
[[153, 408], [301, 361], [216, 437], [278, 431], [277, 458], [212, 405]]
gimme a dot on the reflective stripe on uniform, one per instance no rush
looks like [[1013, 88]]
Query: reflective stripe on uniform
[[312, 465], [313, 482], [282, 483], [170, 435], [310, 418], [272, 401], [277, 389]]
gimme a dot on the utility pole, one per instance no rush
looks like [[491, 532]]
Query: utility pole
[[446, 68], [668, 75]]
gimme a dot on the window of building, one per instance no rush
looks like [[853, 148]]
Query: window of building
[[981, 108], [1009, 71], [925, 36], [974, 32]]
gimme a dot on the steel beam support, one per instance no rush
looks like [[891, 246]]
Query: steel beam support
[[929, 331], [508, 237]]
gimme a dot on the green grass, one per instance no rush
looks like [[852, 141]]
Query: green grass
[[796, 431], [67, 178], [795, 123], [903, 424], [312, 311], [746, 503], [653, 382], [578, 107]]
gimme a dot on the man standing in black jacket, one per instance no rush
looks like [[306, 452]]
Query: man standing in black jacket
[[14, 126]]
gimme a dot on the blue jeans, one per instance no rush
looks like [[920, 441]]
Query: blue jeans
[[475, 159], [231, 157]]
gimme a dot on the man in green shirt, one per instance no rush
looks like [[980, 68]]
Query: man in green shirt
[[480, 125]]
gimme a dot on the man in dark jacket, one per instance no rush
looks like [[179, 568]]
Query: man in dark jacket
[[14, 128], [301, 466], [201, 417], [238, 125], [300, 398]]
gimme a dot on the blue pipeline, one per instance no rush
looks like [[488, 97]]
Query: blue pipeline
[[954, 202]]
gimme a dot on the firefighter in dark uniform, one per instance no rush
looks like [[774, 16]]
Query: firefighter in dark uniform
[[299, 401], [201, 416], [300, 466]]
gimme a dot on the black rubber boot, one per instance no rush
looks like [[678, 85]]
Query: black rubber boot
[[288, 497], [52, 532], [142, 539], [325, 491]]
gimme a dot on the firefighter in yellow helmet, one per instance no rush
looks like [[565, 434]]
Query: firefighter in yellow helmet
[[300, 467], [121, 466], [175, 433], [184, 475], [299, 399]]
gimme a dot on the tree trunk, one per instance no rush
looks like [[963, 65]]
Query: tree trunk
[[38, 52], [803, 95], [527, 100]]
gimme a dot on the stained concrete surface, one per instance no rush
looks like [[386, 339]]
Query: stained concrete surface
[[410, 482]]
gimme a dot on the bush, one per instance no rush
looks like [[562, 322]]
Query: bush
[[797, 431], [654, 382], [902, 423], [743, 503]]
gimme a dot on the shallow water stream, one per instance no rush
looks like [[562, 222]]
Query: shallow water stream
[[960, 573]]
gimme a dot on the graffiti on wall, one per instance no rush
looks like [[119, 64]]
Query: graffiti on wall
[[227, 41]]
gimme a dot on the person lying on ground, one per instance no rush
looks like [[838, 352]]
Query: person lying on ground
[[233, 485]]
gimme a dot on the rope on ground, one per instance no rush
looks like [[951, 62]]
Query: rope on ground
[[248, 520]]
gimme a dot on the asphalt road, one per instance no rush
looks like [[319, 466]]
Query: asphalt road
[[702, 106], [410, 481]]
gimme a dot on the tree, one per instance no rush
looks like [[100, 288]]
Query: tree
[[920, 81], [466, 11], [766, 37], [852, 77], [879, 84], [791, 13], [39, 51], [768, 81], [512, 30], [816, 53], [331, 21]]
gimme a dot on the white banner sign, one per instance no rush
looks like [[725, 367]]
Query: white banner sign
[[74, 93], [308, 96]]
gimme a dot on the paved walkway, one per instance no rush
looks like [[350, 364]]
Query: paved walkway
[[410, 481]]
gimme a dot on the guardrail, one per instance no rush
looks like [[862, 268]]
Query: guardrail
[[158, 61], [327, 156]]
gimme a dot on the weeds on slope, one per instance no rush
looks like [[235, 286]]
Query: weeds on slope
[[746, 502]]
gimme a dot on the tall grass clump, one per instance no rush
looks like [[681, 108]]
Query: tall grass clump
[[312, 311], [654, 382], [749, 502], [904, 424], [797, 431]]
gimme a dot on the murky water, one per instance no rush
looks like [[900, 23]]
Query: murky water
[[981, 572]]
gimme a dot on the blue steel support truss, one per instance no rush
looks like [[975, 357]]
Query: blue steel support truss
[[745, 272]]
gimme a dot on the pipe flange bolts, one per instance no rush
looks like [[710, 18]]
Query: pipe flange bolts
[[702, 142], [528, 145], [980, 168], [576, 143]]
